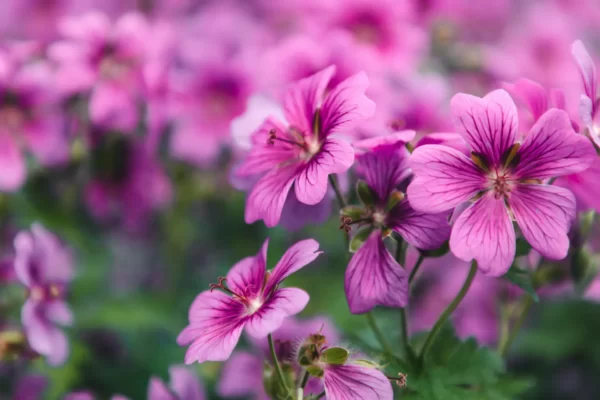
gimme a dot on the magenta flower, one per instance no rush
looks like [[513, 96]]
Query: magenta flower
[[45, 267], [251, 299], [184, 386], [303, 152], [503, 179], [373, 276], [356, 381]]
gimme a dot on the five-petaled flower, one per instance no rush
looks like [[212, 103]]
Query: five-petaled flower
[[303, 152], [503, 179], [250, 298]]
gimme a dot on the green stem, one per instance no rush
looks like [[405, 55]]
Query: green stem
[[400, 257], [304, 379], [336, 188], [373, 325], [527, 302], [415, 269], [449, 310], [276, 362], [320, 395]]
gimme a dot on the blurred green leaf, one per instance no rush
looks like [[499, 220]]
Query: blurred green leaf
[[523, 279]]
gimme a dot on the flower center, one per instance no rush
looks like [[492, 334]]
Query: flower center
[[41, 293], [254, 305], [308, 145], [501, 183]]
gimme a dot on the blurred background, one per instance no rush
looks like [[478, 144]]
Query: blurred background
[[116, 134]]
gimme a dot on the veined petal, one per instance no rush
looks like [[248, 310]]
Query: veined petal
[[268, 196], [304, 97], [485, 232], [552, 149], [282, 303], [587, 70], [488, 124], [185, 384], [544, 214], [421, 230], [216, 323], [299, 255], [335, 156], [374, 278], [355, 382], [248, 275], [384, 168], [346, 104], [444, 178]]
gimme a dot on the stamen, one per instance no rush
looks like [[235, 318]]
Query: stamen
[[221, 285], [345, 224], [400, 381], [273, 137]]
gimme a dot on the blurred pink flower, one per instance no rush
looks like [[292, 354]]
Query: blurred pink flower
[[184, 386]]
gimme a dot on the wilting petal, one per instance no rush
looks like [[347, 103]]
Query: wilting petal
[[216, 323], [587, 70], [532, 94], [157, 390], [247, 276], [283, 303], [12, 164], [374, 278], [299, 255], [304, 97], [242, 376], [335, 156], [552, 149], [346, 105], [43, 336], [488, 124], [444, 178], [268, 196], [355, 382], [485, 232], [186, 384], [544, 214], [421, 230]]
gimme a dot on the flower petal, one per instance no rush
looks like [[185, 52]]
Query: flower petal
[[12, 164], [587, 70], [444, 178], [584, 186], [346, 105], [282, 303], [299, 255], [185, 384], [544, 214], [374, 278], [552, 149], [296, 215], [421, 230], [488, 124], [485, 232], [268, 195], [335, 156], [241, 376], [248, 275], [157, 390], [304, 97], [216, 323], [354, 382], [532, 94], [43, 336]]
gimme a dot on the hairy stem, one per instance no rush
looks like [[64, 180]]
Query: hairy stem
[[448, 311], [276, 362]]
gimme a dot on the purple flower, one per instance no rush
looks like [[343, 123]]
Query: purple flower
[[184, 386], [251, 299], [588, 104], [303, 152], [45, 267], [356, 381], [503, 179], [373, 276], [30, 387]]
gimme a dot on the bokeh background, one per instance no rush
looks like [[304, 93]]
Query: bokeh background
[[149, 205]]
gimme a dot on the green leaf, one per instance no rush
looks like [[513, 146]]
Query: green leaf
[[359, 239], [353, 212], [523, 247], [335, 356], [315, 371], [365, 194], [522, 278]]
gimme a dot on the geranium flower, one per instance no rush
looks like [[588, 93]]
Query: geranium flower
[[250, 299]]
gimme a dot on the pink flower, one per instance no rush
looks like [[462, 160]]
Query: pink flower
[[356, 381], [45, 267], [303, 152], [251, 299], [373, 276], [588, 104], [184, 386], [503, 180]]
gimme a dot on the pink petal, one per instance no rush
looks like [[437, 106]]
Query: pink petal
[[552, 149], [282, 303], [268, 196], [241, 376], [157, 390], [374, 278], [346, 105], [485, 232], [544, 214], [13, 170], [216, 323], [488, 124], [304, 97], [532, 94], [299, 255], [190, 142], [444, 178], [249, 273], [392, 139], [59, 312], [584, 186], [296, 215], [335, 156], [43, 336], [113, 106], [186, 384], [354, 382], [449, 139], [421, 230], [47, 142], [587, 70]]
